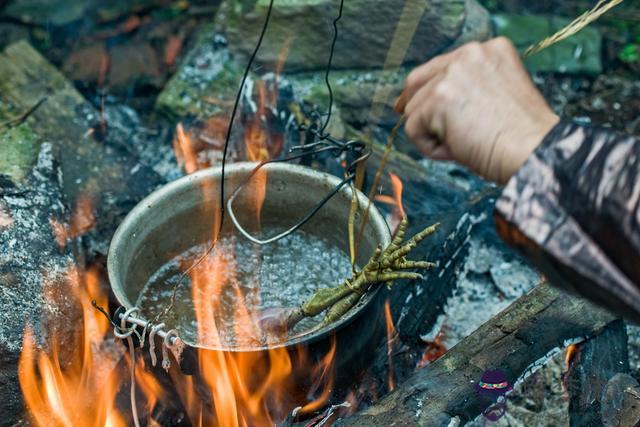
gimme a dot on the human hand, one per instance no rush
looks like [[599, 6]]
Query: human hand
[[476, 105]]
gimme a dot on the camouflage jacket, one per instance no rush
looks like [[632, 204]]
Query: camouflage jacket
[[573, 209]]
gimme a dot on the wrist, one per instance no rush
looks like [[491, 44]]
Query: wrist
[[522, 145]]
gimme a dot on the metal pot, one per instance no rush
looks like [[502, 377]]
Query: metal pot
[[183, 213]]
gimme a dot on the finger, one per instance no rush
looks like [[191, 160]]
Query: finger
[[441, 152], [422, 96], [421, 75], [425, 127]]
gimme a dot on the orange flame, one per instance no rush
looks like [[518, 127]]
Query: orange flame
[[82, 220], [394, 200], [434, 350], [391, 337], [55, 390], [570, 355], [324, 372], [247, 388], [184, 150]]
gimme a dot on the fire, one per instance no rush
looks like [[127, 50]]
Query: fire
[[232, 389], [247, 388], [572, 352], [55, 390], [324, 374], [394, 200], [391, 338], [82, 220], [434, 350], [184, 150]]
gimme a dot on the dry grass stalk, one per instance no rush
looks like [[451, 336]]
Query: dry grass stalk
[[575, 26]]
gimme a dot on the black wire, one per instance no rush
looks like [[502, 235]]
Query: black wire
[[328, 70], [103, 311], [235, 109], [224, 162]]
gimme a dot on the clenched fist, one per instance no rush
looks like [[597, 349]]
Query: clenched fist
[[478, 106]]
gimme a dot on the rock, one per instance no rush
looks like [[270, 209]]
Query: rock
[[621, 402], [93, 165], [364, 97], [206, 81], [367, 31], [47, 12], [11, 33], [477, 24], [87, 64], [33, 270], [134, 64], [577, 54], [64, 12], [19, 147]]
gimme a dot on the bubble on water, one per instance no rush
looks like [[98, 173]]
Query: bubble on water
[[281, 274]]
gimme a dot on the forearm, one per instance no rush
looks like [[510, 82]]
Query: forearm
[[574, 209]]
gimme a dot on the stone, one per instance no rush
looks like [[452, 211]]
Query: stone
[[47, 12], [477, 24], [19, 147], [206, 81], [134, 64], [579, 54], [370, 31], [33, 270], [92, 164]]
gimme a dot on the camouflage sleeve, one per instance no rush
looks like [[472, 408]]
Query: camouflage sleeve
[[573, 209]]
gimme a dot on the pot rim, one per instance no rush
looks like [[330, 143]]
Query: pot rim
[[145, 206]]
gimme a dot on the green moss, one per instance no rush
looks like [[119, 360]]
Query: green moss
[[183, 97], [577, 54], [18, 151], [189, 91], [630, 54]]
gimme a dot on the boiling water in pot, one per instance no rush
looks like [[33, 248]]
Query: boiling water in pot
[[240, 279]]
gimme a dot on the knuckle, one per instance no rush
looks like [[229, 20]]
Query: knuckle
[[471, 52], [502, 44], [413, 78], [411, 127], [442, 92], [456, 68]]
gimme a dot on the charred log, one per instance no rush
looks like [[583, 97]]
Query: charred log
[[597, 360], [516, 338]]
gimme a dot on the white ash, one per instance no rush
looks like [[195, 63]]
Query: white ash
[[30, 256], [488, 281]]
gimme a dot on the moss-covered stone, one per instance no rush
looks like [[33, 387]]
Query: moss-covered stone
[[68, 121], [577, 54], [370, 31], [361, 97], [19, 150], [205, 83]]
